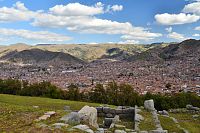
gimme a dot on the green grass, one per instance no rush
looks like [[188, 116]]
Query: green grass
[[148, 123], [17, 113], [185, 120], [168, 124]]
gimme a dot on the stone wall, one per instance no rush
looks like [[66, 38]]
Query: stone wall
[[122, 112]]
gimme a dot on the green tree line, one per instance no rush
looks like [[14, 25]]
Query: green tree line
[[112, 93]]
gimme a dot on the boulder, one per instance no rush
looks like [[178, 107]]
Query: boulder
[[195, 108], [89, 115], [158, 131], [195, 116], [100, 130], [109, 115], [164, 112], [190, 107], [72, 118], [83, 128], [143, 131], [44, 117], [120, 131], [149, 105], [50, 113]]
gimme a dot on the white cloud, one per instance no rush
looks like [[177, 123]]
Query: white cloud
[[78, 18], [35, 35], [196, 35], [129, 42], [20, 6], [192, 8], [175, 19], [117, 8], [77, 9], [197, 28], [190, 13], [168, 29], [93, 43], [140, 35], [16, 13], [176, 36]]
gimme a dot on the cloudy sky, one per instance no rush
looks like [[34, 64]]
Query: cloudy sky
[[102, 21]]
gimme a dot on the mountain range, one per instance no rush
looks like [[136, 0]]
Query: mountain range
[[82, 53]]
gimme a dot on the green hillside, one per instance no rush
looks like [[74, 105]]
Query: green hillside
[[18, 114]]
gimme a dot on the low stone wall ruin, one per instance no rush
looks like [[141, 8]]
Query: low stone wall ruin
[[122, 112]]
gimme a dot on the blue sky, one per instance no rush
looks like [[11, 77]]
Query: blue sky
[[102, 21]]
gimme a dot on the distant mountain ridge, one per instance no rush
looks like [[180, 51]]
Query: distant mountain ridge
[[40, 56], [89, 52], [188, 49]]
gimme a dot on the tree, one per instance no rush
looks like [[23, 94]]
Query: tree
[[98, 94], [73, 92]]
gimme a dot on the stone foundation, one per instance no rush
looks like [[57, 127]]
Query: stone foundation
[[122, 112]]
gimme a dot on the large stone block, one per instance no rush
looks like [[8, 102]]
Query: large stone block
[[99, 109], [89, 114], [149, 105], [106, 110], [112, 111], [108, 122], [119, 111]]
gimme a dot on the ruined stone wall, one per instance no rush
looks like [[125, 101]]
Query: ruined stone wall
[[122, 112]]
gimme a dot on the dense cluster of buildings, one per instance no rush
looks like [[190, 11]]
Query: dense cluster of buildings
[[162, 77]]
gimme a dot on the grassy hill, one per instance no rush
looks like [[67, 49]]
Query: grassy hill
[[17, 114]]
